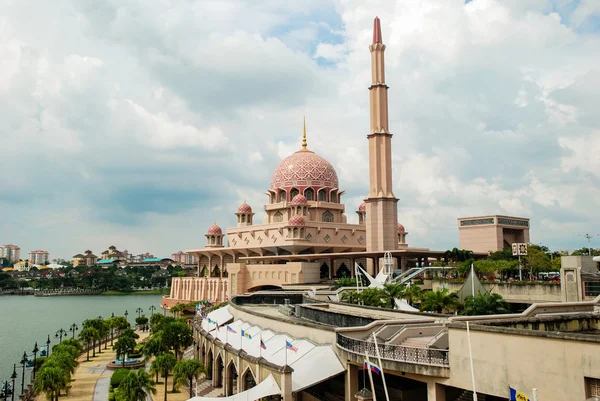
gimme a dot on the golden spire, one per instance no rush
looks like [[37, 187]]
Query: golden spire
[[304, 136]]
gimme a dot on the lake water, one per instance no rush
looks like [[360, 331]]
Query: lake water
[[27, 319]]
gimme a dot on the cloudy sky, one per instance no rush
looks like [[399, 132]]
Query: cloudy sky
[[138, 123]]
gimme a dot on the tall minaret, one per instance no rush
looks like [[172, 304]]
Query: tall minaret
[[382, 213]]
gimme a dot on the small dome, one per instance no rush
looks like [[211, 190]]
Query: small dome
[[400, 228], [362, 207], [296, 221], [299, 199], [215, 230], [244, 208]]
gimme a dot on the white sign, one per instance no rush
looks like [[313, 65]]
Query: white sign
[[519, 249]]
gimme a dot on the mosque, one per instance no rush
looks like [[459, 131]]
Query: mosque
[[305, 236]]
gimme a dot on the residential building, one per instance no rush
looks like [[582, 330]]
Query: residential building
[[86, 259], [11, 252], [184, 258], [38, 257]]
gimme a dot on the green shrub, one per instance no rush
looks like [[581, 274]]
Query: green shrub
[[117, 377]]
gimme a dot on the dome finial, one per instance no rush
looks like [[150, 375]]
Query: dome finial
[[304, 136]]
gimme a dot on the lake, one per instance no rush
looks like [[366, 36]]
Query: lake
[[26, 319]]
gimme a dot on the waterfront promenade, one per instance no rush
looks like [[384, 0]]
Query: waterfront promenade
[[91, 379]]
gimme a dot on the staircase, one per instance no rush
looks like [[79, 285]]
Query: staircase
[[205, 389], [467, 395], [418, 342]]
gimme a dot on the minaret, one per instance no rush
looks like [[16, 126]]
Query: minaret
[[382, 213]]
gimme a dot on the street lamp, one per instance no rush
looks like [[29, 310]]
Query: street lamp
[[48, 346], [152, 309], [112, 314], [13, 377], [35, 351], [24, 361], [60, 333], [126, 314], [139, 311], [5, 390], [589, 238], [73, 329]]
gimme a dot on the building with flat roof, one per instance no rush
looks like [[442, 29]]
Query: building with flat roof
[[11, 252], [38, 257], [492, 233]]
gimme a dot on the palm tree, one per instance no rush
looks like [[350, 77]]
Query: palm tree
[[393, 291], [186, 371], [439, 300], [49, 380], [413, 293], [88, 335], [123, 346], [165, 363], [374, 297], [485, 304], [351, 296], [155, 346], [177, 335], [136, 386]]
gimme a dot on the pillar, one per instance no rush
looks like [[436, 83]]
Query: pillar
[[436, 392], [286, 386], [351, 382], [403, 266], [352, 262], [330, 263]]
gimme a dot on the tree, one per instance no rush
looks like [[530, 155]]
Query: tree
[[439, 300], [187, 370], [88, 335], [49, 381], [484, 304], [412, 294], [164, 363], [177, 335], [155, 346], [141, 320], [344, 282], [350, 296], [123, 346], [537, 259], [374, 297], [393, 291], [136, 386]]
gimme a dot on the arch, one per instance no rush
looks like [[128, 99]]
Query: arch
[[294, 192], [225, 274], [216, 271], [295, 233], [248, 380], [282, 195], [278, 217], [342, 271], [232, 379], [218, 377], [322, 195], [333, 196], [203, 271], [324, 271], [309, 194], [264, 288], [328, 217], [243, 218], [209, 364]]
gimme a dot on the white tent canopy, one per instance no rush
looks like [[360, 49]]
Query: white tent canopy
[[402, 305], [263, 389], [311, 363]]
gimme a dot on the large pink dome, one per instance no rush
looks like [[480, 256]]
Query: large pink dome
[[304, 169]]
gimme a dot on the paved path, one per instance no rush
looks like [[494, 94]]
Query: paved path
[[101, 389]]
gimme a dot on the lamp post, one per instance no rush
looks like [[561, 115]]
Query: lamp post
[[48, 346], [5, 390], [152, 309], [60, 333], [126, 314], [139, 311], [13, 377], [35, 351], [73, 329], [23, 362], [589, 238]]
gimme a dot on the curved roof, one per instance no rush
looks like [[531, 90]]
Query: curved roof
[[296, 221], [299, 199], [245, 208], [304, 169], [214, 230]]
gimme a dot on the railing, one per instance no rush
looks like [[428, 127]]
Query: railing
[[396, 353], [435, 338]]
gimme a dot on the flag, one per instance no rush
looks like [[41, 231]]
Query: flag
[[218, 327], [210, 320], [517, 395], [374, 367], [289, 346], [204, 317], [262, 345], [246, 334], [230, 329]]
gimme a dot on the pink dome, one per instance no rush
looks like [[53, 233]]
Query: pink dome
[[400, 228], [244, 208], [304, 169], [296, 221], [215, 230], [362, 207], [300, 199]]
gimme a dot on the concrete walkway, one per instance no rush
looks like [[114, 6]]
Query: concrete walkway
[[101, 390]]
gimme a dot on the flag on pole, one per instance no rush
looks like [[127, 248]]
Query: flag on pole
[[230, 329], [218, 327], [517, 395], [262, 345], [246, 334], [374, 368], [289, 346]]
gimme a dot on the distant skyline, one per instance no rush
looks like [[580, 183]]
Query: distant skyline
[[131, 124]]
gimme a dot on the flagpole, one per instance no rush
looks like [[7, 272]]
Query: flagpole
[[387, 396], [471, 361], [472, 281], [534, 395], [260, 345], [226, 333], [285, 352], [370, 376]]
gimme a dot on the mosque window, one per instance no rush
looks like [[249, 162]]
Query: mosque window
[[322, 196], [282, 196], [333, 197], [304, 210], [277, 217], [243, 218], [293, 193], [309, 194], [309, 236], [327, 217]]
